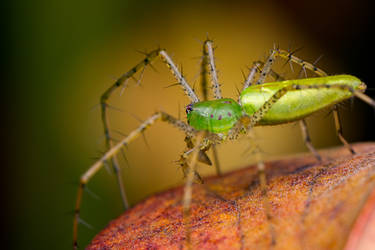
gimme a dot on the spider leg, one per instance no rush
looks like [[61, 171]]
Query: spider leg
[[290, 57], [307, 140], [188, 189], [267, 67], [250, 78], [208, 59], [122, 81], [204, 72], [202, 157], [85, 178], [339, 130], [208, 51], [259, 66], [276, 76]]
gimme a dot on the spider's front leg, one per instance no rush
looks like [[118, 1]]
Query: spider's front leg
[[85, 178], [122, 82], [190, 174], [208, 66]]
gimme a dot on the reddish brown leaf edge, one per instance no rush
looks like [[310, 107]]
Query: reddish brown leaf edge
[[310, 206]]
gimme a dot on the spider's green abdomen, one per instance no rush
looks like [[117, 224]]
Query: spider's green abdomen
[[217, 116], [298, 103]]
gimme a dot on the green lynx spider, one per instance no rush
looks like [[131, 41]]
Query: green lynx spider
[[211, 122]]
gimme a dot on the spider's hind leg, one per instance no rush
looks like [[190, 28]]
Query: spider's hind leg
[[339, 130], [191, 174], [307, 140]]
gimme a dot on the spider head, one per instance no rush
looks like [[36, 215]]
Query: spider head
[[189, 108]]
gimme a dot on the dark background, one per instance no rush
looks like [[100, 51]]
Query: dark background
[[62, 55]]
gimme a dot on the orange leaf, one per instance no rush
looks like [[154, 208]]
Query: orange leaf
[[312, 206]]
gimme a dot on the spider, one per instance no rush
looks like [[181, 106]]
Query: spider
[[211, 122]]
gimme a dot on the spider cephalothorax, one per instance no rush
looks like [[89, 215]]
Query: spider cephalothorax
[[216, 116]]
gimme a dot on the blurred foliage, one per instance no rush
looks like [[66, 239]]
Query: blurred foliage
[[64, 54]]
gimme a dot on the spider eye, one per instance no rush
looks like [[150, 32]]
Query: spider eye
[[189, 108]]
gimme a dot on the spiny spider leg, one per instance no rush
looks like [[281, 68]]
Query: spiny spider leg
[[339, 130], [202, 157], [104, 105], [259, 66], [250, 77], [208, 59], [214, 79], [266, 68], [180, 78], [204, 73], [150, 57], [307, 140], [319, 72], [114, 150], [276, 76], [188, 189]]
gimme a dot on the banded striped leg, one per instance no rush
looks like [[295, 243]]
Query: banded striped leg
[[114, 150], [305, 65], [339, 130], [250, 77], [122, 81], [307, 140], [202, 157], [104, 104], [266, 68], [258, 66], [213, 72], [188, 190], [204, 72], [276, 76], [208, 60]]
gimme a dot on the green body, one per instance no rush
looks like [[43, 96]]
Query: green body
[[219, 116]]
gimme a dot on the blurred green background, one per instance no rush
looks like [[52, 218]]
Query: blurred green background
[[64, 54]]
